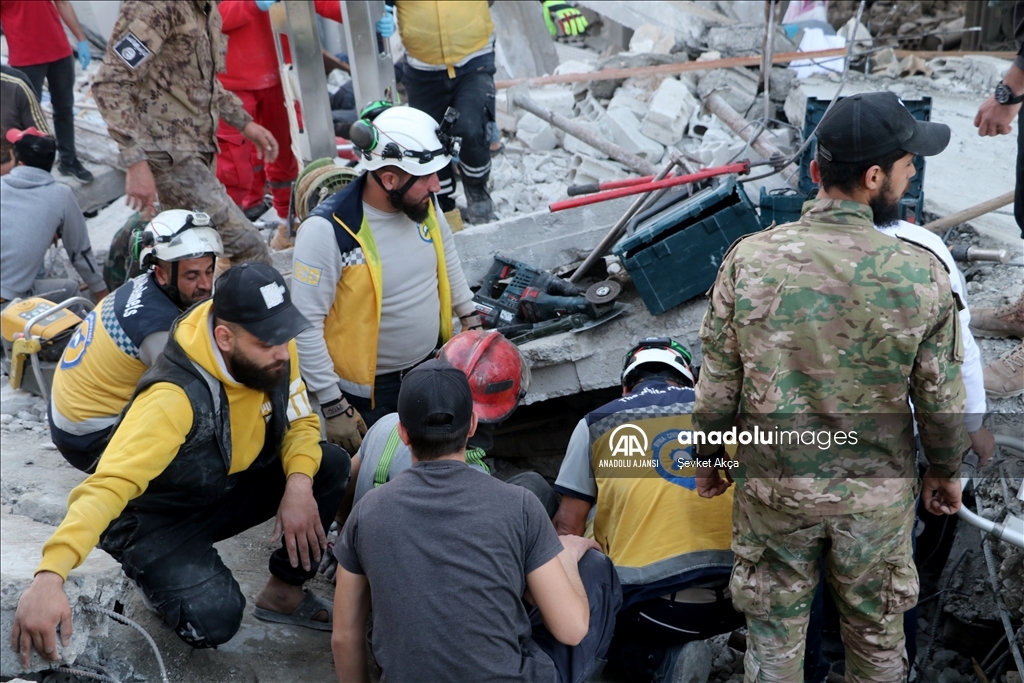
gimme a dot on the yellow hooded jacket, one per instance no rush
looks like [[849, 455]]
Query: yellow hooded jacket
[[153, 431]]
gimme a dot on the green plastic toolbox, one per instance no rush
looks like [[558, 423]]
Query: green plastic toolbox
[[674, 255]]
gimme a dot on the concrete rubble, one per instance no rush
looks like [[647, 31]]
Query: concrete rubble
[[651, 117]]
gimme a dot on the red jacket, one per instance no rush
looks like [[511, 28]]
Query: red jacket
[[35, 34], [251, 59]]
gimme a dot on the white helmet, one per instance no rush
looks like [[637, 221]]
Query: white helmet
[[177, 235], [407, 138], [661, 351]]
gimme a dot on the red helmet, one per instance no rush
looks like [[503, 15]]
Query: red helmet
[[498, 374]]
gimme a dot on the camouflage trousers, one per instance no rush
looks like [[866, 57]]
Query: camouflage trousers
[[869, 569], [191, 183]]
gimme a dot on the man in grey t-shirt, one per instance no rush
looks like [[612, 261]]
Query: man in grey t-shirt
[[468, 579]]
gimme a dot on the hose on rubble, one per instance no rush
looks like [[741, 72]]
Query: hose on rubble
[[120, 618]]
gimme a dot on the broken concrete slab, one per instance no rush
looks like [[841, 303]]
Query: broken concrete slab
[[45, 507], [556, 98], [108, 186], [536, 133], [522, 47], [98, 582], [742, 40], [669, 112], [633, 100], [606, 89], [687, 21], [584, 170]]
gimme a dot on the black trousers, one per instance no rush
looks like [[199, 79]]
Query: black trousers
[[647, 633], [60, 77], [471, 92], [82, 451], [575, 663], [172, 559]]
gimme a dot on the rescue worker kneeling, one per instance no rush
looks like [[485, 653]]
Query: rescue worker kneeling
[[671, 548], [127, 331], [219, 437]]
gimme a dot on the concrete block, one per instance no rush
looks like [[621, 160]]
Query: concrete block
[[576, 146], [98, 581], [624, 129], [554, 97], [536, 133], [649, 38], [584, 170], [632, 100], [589, 109], [522, 45], [686, 21], [669, 112], [45, 507], [738, 87]]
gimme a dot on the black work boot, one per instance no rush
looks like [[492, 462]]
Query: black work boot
[[479, 207], [76, 169]]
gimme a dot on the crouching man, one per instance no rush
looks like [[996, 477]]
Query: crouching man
[[218, 438], [469, 580]]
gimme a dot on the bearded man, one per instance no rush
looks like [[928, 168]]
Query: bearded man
[[218, 438], [377, 275]]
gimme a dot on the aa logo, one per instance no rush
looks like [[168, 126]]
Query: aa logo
[[424, 232], [79, 343], [628, 440]]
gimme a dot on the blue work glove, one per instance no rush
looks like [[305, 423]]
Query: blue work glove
[[386, 24], [264, 5], [84, 54]]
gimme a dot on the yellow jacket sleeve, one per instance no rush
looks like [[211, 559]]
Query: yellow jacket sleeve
[[300, 452], [142, 447]]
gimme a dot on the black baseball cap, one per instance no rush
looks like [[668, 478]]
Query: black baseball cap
[[871, 125], [433, 388], [254, 296]]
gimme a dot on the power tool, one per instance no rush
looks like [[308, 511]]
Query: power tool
[[517, 299], [35, 331]]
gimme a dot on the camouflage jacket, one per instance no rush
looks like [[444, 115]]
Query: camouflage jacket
[[823, 326], [157, 88]]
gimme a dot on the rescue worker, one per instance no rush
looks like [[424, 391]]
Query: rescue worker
[[36, 210], [219, 437], [499, 378], [158, 92], [670, 547], [826, 329], [450, 63], [38, 47], [252, 73], [19, 109], [377, 275], [126, 332]]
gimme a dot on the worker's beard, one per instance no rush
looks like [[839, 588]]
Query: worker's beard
[[886, 208], [196, 296], [263, 378], [417, 212]]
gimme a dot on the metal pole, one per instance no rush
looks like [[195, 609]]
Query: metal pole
[[616, 231], [369, 54], [641, 166], [739, 125]]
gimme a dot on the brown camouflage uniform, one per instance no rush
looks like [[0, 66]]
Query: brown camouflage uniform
[[158, 92], [827, 324]]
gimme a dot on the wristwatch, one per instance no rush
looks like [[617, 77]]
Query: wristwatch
[[1004, 95]]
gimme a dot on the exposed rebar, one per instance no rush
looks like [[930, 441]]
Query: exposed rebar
[[120, 618]]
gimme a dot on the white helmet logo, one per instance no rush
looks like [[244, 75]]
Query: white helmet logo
[[273, 294]]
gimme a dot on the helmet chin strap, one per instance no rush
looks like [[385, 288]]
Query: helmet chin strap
[[396, 195], [171, 288]]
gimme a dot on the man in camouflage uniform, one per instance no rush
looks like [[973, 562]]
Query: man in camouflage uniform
[[158, 92], [821, 326]]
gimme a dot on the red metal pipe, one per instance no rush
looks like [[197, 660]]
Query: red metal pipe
[[740, 167]]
